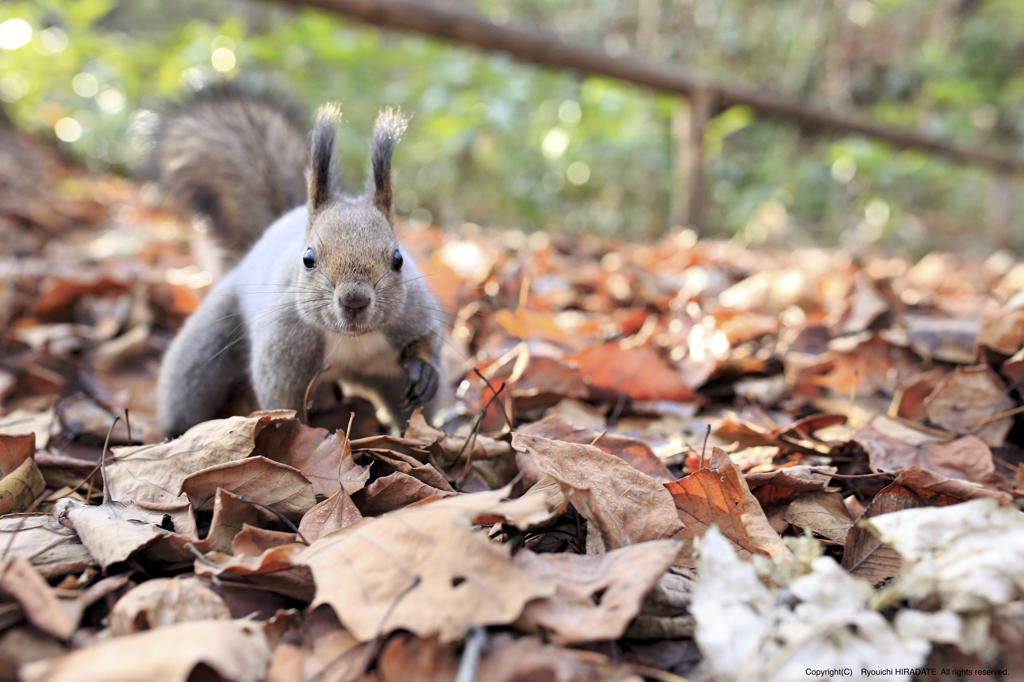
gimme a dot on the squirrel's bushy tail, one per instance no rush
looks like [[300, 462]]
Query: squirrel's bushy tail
[[236, 158]]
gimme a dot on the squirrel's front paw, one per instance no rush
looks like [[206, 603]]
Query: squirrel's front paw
[[422, 381]]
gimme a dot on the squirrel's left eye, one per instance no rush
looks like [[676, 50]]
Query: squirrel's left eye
[[308, 259], [396, 261]]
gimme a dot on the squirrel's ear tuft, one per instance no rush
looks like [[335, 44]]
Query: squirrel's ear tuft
[[320, 180], [386, 132]]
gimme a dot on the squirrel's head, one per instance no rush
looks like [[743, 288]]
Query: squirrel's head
[[351, 276]]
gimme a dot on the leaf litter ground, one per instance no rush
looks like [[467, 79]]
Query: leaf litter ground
[[677, 460]]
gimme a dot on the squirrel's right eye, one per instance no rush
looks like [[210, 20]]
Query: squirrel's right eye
[[308, 259]]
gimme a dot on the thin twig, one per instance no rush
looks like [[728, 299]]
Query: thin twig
[[598, 437], [348, 429], [284, 519], [471, 439], [128, 424], [504, 412], [103, 460], [471, 655], [704, 447], [997, 417]]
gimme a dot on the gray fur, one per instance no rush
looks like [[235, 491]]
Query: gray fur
[[273, 324], [235, 159]]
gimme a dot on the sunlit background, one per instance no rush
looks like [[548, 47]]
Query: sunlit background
[[500, 143]]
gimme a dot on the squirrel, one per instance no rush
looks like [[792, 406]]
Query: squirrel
[[321, 289]]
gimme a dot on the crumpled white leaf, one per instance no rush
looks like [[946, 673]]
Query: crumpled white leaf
[[966, 558], [747, 631]]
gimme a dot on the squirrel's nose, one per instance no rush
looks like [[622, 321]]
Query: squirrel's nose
[[355, 300]]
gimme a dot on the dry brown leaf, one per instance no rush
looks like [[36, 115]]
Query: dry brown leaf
[[237, 650], [639, 373], [20, 581], [423, 567], [392, 492], [527, 658], [822, 513], [543, 502], [20, 488], [966, 457], [230, 516], [109, 531], [392, 461], [334, 513], [324, 458], [161, 602], [317, 648], [151, 475], [625, 505], [53, 549], [455, 447], [719, 495], [636, 452], [777, 486], [928, 484], [864, 555], [866, 305], [417, 658], [596, 596], [966, 397], [908, 401], [14, 450], [1004, 334], [278, 486]]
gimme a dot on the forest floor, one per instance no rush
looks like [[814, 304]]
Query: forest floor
[[676, 460]]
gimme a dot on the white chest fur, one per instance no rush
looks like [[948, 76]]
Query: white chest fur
[[369, 354]]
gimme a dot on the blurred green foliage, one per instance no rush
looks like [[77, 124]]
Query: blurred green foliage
[[498, 142]]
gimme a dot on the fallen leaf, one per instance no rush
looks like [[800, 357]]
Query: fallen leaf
[[392, 461], [278, 486], [966, 457], [392, 492], [20, 581], [966, 397], [528, 658], [865, 307], [53, 549], [781, 485], [236, 650], [14, 450], [928, 484], [822, 513], [424, 568], [638, 373], [596, 596], [336, 512], [161, 602], [109, 531], [20, 488], [230, 516], [151, 475], [637, 453], [909, 400], [324, 458], [864, 556], [1004, 334], [318, 648], [719, 495], [626, 506]]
